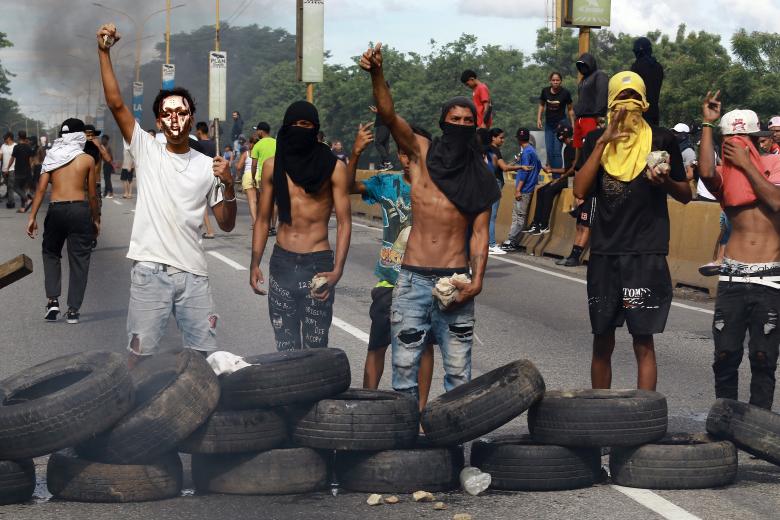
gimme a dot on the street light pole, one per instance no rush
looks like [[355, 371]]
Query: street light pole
[[167, 31]]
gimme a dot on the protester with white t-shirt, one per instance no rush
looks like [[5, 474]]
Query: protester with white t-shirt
[[6, 149], [174, 185]]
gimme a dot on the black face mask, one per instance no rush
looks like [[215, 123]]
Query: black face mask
[[300, 139], [459, 132]]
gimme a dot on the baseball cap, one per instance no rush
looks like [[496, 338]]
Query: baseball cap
[[91, 128], [262, 125], [775, 121], [523, 134], [563, 132], [72, 125], [742, 122], [681, 128]]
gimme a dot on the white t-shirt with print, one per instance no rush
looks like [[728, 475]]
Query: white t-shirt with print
[[173, 191], [7, 150]]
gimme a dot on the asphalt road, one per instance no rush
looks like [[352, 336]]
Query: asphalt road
[[529, 309]]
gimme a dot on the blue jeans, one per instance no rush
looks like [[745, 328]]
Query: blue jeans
[[494, 215], [415, 314], [553, 145], [156, 291]]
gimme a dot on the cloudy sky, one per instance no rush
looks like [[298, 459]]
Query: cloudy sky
[[53, 53]]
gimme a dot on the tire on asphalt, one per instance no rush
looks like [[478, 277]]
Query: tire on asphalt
[[273, 472], [358, 420], [62, 402], [752, 429], [285, 378], [518, 463], [70, 477], [596, 418], [482, 405], [175, 394], [17, 481], [238, 431], [678, 461], [400, 471]]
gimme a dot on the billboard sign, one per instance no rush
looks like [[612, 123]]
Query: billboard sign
[[586, 13], [310, 39], [217, 85], [168, 74]]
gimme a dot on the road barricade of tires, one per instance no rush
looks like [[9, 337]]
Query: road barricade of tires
[[289, 424]]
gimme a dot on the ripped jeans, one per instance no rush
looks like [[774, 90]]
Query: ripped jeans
[[740, 308], [413, 315], [156, 291]]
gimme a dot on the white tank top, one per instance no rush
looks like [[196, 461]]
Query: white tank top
[[248, 162]]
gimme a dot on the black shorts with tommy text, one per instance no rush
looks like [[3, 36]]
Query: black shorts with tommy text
[[636, 289]]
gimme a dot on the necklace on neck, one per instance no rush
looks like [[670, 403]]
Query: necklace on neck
[[174, 156]]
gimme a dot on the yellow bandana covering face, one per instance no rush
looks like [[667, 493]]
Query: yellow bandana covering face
[[625, 158]]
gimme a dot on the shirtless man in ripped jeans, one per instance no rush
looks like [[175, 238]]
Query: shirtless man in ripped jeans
[[307, 182], [748, 188], [451, 188]]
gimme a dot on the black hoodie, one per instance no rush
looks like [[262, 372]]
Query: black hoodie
[[593, 89], [653, 75]]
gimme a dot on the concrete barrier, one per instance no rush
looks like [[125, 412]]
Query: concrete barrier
[[694, 228]]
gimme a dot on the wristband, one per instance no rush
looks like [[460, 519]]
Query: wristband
[[708, 124]]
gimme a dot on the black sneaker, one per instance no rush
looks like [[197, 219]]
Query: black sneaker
[[561, 261], [543, 230], [533, 230], [571, 262], [72, 316], [52, 310], [509, 247]]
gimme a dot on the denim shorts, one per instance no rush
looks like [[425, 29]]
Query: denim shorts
[[414, 316], [156, 291]]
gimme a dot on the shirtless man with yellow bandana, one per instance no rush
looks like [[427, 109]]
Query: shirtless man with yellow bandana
[[628, 277]]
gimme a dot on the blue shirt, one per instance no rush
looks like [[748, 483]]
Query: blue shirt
[[394, 196], [529, 177]]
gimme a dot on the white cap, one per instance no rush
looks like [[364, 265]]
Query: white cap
[[682, 128], [775, 121], [742, 122]]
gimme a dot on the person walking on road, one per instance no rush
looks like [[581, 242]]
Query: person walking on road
[[6, 152], [21, 163], [71, 217], [392, 193], [451, 190], [128, 172], [556, 104], [263, 149], [108, 167], [207, 147], [748, 188], [175, 185], [628, 277], [307, 183]]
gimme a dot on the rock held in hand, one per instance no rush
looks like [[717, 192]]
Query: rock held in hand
[[318, 284]]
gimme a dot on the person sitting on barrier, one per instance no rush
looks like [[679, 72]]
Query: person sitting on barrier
[[628, 277], [545, 196], [392, 193], [525, 183], [748, 188], [451, 191]]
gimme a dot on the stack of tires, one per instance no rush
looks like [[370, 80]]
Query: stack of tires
[[381, 458], [569, 429], [245, 446]]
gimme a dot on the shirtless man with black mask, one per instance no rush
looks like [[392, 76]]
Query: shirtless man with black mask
[[452, 189], [306, 182]]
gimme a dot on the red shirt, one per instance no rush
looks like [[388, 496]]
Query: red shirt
[[480, 96]]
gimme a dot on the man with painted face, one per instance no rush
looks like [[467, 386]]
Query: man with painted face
[[628, 277], [174, 184], [451, 190], [306, 182]]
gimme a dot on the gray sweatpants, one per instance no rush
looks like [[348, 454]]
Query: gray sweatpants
[[519, 217]]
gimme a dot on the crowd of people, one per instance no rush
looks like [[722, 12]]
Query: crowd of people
[[439, 218]]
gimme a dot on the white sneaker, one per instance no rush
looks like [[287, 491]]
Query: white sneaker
[[495, 250]]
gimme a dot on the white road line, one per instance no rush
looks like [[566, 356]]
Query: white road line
[[116, 201], [228, 261], [562, 276], [350, 329], [644, 497], [656, 503]]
